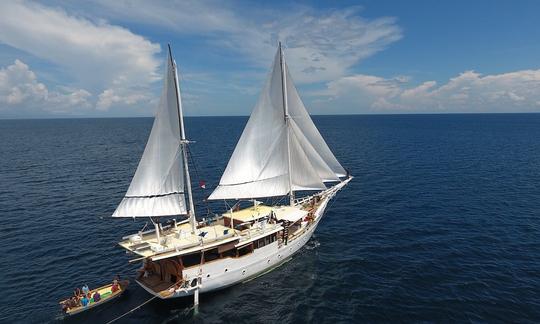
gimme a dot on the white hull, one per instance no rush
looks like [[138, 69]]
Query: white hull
[[226, 272]]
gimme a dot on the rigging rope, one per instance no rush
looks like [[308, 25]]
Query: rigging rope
[[209, 211]]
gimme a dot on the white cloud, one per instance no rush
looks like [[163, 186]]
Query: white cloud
[[468, 92], [324, 46], [117, 66], [109, 97], [110, 66], [97, 55], [21, 90], [320, 45], [18, 83]]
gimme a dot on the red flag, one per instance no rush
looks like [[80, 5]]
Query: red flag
[[202, 184]]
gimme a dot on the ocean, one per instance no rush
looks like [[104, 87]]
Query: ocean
[[440, 224]]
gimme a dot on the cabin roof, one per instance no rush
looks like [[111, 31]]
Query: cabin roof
[[250, 214]]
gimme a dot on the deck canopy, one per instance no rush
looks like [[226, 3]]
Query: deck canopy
[[288, 213], [250, 214]]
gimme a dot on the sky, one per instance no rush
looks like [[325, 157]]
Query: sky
[[107, 58]]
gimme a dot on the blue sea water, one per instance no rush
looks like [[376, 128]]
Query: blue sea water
[[440, 224]]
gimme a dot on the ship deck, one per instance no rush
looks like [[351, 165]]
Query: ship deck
[[178, 239]]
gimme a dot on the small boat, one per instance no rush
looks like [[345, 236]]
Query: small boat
[[106, 295]]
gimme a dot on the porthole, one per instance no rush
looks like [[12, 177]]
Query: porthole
[[226, 269], [208, 276]]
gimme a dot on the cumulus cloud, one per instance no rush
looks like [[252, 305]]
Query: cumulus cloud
[[18, 84], [96, 54], [20, 89], [110, 97], [468, 92]]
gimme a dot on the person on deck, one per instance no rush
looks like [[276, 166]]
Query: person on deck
[[77, 293], [84, 301], [114, 288], [115, 285], [66, 306], [85, 289], [69, 304], [97, 297]]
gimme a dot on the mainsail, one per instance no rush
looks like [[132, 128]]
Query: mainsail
[[280, 150], [157, 189]]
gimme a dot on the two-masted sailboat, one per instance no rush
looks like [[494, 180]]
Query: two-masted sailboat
[[279, 153]]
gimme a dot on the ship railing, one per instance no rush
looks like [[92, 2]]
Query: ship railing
[[330, 192]]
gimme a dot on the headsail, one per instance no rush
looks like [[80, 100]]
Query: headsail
[[306, 127], [273, 138], [157, 189]]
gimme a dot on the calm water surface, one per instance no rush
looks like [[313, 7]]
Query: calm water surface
[[440, 224]]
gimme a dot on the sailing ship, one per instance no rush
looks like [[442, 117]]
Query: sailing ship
[[279, 153]]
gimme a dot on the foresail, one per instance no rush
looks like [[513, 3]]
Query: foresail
[[259, 165], [157, 188], [317, 163], [298, 112]]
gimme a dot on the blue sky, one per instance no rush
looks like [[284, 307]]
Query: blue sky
[[106, 58]]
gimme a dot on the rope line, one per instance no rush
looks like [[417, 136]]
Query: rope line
[[132, 310], [139, 306]]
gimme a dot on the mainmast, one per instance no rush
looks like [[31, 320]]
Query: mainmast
[[184, 142], [287, 120]]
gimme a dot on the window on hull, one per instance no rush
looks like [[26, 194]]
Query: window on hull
[[245, 250], [190, 260], [265, 241], [211, 255], [226, 251]]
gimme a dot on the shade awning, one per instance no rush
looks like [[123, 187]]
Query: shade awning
[[250, 214], [288, 213]]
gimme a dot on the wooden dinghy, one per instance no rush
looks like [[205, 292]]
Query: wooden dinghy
[[106, 295]]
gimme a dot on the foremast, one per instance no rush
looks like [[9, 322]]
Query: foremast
[[287, 121], [184, 142]]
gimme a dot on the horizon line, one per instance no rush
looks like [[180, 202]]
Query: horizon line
[[318, 115]]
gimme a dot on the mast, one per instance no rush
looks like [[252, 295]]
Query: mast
[[287, 121], [184, 144]]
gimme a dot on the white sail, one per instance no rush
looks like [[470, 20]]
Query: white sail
[[298, 113], [259, 165], [157, 188]]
